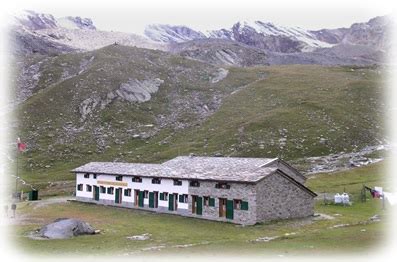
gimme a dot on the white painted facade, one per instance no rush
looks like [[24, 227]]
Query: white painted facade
[[166, 185]]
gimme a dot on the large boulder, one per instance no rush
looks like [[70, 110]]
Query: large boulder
[[66, 228]]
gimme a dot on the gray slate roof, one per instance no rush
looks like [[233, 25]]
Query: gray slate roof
[[231, 169]]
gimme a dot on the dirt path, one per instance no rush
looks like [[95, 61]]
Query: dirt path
[[50, 201], [22, 219]]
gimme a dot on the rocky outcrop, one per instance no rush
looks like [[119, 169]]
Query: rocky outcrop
[[221, 73], [131, 91], [64, 228], [138, 91], [220, 52]]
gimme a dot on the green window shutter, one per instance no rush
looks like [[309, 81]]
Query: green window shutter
[[171, 202], [141, 199], [151, 199], [212, 202], [96, 193], [199, 205], [161, 196], [229, 209], [180, 198], [117, 199], [244, 205]]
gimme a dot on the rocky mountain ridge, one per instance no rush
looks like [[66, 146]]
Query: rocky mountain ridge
[[31, 31], [281, 44]]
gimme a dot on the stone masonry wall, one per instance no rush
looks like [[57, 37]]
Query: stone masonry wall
[[245, 192], [279, 198]]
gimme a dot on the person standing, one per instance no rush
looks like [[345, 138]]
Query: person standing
[[13, 208]]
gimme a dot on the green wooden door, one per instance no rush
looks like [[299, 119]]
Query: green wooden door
[[199, 209], [151, 199], [229, 209], [140, 201], [96, 196], [171, 202], [117, 196]]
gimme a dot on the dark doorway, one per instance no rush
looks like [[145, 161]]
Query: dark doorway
[[222, 207]]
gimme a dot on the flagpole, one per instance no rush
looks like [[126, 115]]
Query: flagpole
[[16, 178]]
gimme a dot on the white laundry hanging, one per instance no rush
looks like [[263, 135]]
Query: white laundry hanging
[[391, 198]]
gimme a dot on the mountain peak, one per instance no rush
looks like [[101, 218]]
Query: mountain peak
[[171, 33], [76, 22], [31, 20]]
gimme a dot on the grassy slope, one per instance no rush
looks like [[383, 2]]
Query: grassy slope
[[310, 102], [211, 237], [302, 104]]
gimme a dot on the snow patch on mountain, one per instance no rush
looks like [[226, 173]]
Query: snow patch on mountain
[[77, 22], [297, 33], [258, 29], [171, 34]]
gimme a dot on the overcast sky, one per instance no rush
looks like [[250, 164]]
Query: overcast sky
[[127, 16]]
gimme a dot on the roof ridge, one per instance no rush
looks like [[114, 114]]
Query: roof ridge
[[270, 162]]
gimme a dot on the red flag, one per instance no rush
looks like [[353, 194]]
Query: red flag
[[21, 146]]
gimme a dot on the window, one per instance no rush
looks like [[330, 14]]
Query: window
[[206, 201], [156, 181], [244, 205], [183, 198], [177, 182], [110, 190], [119, 178], [88, 188], [80, 187], [127, 192], [194, 183], [212, 202], [103, 189], [222, 185], [145, 194], [164, 196], [94, 175], [137, 179], [86, 175], [237, 204]]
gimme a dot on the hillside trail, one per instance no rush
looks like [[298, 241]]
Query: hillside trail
[[23, 219], [245, 86]]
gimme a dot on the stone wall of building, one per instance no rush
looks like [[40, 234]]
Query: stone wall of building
[[279, 198], [241, 191]]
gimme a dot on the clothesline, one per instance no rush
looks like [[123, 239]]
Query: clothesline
[[378, 192]]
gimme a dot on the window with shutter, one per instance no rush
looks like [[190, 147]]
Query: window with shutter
[[212, 202], [161, 196], [206, 201], [244, 205]]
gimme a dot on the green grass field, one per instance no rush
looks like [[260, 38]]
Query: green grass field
[[170, 232]]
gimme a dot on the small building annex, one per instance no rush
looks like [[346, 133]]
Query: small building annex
[[238, 190]]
